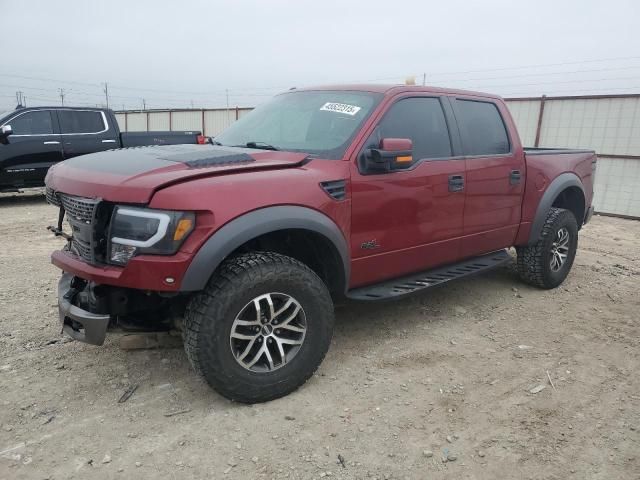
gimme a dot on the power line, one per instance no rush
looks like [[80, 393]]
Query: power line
[[540, 65], [554, 82], [48, 79], [585, 91], [545, 74], [106, 93], [218, 97], [431, 74]]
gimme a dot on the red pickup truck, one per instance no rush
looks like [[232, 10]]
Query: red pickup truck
[[364, 192]]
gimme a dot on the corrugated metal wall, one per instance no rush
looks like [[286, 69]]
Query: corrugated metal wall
[[211, 122], [617, 189], [609, 124], [160, 121], [526, 113]]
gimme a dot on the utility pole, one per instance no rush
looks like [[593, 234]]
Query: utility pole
[[106, 93], [20, 98], [227, 92], [144, 104], [62, 93], [424, 79]]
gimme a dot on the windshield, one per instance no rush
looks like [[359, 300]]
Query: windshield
[[317, 122]]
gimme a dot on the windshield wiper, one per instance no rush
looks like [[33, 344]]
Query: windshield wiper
[[260, 145], [215, 142]]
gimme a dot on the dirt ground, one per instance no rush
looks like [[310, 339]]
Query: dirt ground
[[405, 384]]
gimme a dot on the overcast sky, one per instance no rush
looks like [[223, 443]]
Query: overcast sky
[[175, 53]]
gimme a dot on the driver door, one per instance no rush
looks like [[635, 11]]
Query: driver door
[[408, 220], [30, 150]]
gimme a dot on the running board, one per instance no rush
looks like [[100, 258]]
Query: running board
[[421, 281]]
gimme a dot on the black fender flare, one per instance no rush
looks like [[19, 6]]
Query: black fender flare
[[253, 224], [555, 188]]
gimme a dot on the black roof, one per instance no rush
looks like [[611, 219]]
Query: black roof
[[20, 107]]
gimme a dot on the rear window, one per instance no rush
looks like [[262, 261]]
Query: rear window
[[482, 129], [80, 121], [32, 123]]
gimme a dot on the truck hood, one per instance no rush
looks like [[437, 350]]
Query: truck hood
[[132, 175]]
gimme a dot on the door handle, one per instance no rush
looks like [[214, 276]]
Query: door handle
[[108, 141], [51, 143], [456, 183], [515, 177]]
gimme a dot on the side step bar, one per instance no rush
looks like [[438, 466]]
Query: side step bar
[[421, 281]]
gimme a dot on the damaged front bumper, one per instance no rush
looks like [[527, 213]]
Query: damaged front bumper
[[89, 310], [78, 323]]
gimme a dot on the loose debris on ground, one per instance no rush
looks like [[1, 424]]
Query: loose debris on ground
[[447, 384]]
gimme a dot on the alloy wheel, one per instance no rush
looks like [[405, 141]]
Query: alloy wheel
[[559, 249], [268, 332]]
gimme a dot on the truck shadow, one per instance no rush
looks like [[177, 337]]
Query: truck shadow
[[360, 327], [31, 196], [437, 304]]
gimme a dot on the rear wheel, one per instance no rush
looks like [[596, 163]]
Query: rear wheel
[[547, 263], [260, 328]]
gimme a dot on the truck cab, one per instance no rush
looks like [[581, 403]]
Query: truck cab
[[458, 196]]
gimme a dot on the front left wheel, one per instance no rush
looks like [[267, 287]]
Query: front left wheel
[[261, 327]]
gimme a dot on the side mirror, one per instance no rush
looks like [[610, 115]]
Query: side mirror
[[5, 131], [392, 154]]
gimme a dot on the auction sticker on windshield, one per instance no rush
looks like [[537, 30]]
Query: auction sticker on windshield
[[340, 108]]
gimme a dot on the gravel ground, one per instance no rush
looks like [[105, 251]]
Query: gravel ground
[[439, 385]]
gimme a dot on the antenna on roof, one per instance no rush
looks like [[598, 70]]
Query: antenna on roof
[[21, 99]]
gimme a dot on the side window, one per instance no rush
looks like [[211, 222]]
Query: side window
[[482, 129], [32, 123], [420, 119], [80, 121]]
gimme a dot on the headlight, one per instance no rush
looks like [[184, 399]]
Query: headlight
[[145, 231]]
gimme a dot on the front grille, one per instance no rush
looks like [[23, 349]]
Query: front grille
[[89, 222], [52, 197], [77, 208], [82, 250]]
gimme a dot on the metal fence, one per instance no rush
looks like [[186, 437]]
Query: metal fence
[[209, 121], [609, 124]]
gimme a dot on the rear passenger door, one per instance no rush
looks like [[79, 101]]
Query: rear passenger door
[[85, 131], [494, 182]]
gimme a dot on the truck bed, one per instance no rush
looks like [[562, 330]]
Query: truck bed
[[139, 139]]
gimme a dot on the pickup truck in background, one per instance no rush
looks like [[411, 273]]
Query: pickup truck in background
[[33, 139], [361, 192]]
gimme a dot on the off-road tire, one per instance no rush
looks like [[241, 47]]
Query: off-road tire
[[210, 314], [534, 261]]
